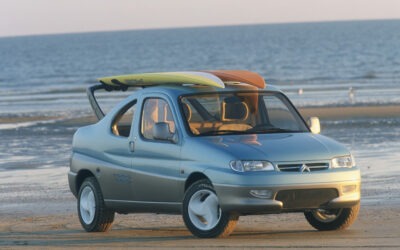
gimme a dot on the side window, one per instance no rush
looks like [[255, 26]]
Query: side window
[[122, 123], [155, 110]]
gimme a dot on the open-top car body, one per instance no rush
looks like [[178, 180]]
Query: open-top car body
[[211, 146]]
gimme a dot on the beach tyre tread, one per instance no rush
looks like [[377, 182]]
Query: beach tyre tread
[[224, 225], [93, 214], [344, 218]]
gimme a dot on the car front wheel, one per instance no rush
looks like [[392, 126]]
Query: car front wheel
[[202, 214], [332, 219], [93, 214]]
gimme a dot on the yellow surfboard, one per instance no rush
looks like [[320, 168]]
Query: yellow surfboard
[[149, 79]]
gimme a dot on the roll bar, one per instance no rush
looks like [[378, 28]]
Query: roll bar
[[93, 102], [92, 98]]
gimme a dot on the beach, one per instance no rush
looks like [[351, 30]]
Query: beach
[[345, 73], [42, 215], [38, 210], [375, 228]]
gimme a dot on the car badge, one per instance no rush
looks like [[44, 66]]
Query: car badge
[[304, 168]]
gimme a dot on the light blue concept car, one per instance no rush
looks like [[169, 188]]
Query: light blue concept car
[[212, 146]]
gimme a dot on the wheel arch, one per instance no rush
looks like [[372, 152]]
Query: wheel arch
[[193, 177], [81, 176]]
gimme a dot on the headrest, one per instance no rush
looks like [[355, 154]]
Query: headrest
[[187, 111], [233, 109]]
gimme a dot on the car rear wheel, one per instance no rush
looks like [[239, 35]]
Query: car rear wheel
[[93, 214], [332, 219], [202, 214]]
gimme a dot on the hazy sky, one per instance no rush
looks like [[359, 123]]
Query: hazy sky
[[22, 17]]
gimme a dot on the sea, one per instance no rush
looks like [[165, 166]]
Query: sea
[[48, 75], [43, 80]]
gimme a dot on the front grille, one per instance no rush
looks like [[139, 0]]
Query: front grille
[[306, 198], [306, 167]]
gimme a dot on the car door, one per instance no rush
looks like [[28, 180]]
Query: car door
[[156, 162], [117, 178]]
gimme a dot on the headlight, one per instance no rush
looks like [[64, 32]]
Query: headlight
[[246, 166], [343, 162]]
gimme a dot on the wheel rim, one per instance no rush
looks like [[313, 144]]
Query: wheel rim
[[326, 216], [204, 211], [87, 205]]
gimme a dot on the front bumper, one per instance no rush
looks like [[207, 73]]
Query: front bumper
[[290, 192]]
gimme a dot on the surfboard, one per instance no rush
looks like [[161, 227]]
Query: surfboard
[[150, 79], [242, 76]]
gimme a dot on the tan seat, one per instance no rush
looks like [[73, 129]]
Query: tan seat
[[235, 126]]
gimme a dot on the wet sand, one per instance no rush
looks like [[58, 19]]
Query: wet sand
[[351, 112]]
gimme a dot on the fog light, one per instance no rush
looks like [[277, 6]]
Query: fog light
[[263, 194], [349, 189]]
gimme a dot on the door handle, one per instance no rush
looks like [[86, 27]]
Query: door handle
[[132, 146]]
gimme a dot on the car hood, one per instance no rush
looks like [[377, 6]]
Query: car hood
[[279, 147]]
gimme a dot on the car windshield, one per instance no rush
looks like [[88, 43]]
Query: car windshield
[[240, 113]]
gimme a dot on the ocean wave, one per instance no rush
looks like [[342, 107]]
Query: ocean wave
[[91, 81], [337, 78], [364, 122], [17, 125], [370, 75]]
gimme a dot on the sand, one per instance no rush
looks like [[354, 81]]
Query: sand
[[376, 228], [351, 112], [37, 211]]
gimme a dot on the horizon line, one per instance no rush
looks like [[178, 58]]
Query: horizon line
[[198, 27]]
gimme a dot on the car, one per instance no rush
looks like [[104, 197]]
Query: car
[[212, 146]]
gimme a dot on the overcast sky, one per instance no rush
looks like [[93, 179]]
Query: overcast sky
[[25, 17]]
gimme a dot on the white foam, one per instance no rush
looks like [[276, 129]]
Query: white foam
[[17, 125]]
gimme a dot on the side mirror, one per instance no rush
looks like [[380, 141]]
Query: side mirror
[[161, 132], [314, 125]]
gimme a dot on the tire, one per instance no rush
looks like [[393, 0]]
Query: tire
[[333, 219], [202, 214], [93, 214]]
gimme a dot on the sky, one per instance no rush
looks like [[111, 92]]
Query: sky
[[33, 17]]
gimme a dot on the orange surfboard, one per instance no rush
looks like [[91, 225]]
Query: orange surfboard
[[243, 76]]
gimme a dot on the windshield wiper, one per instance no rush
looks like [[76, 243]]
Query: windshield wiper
[[275, 130], [218, 132], [264, 128]]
